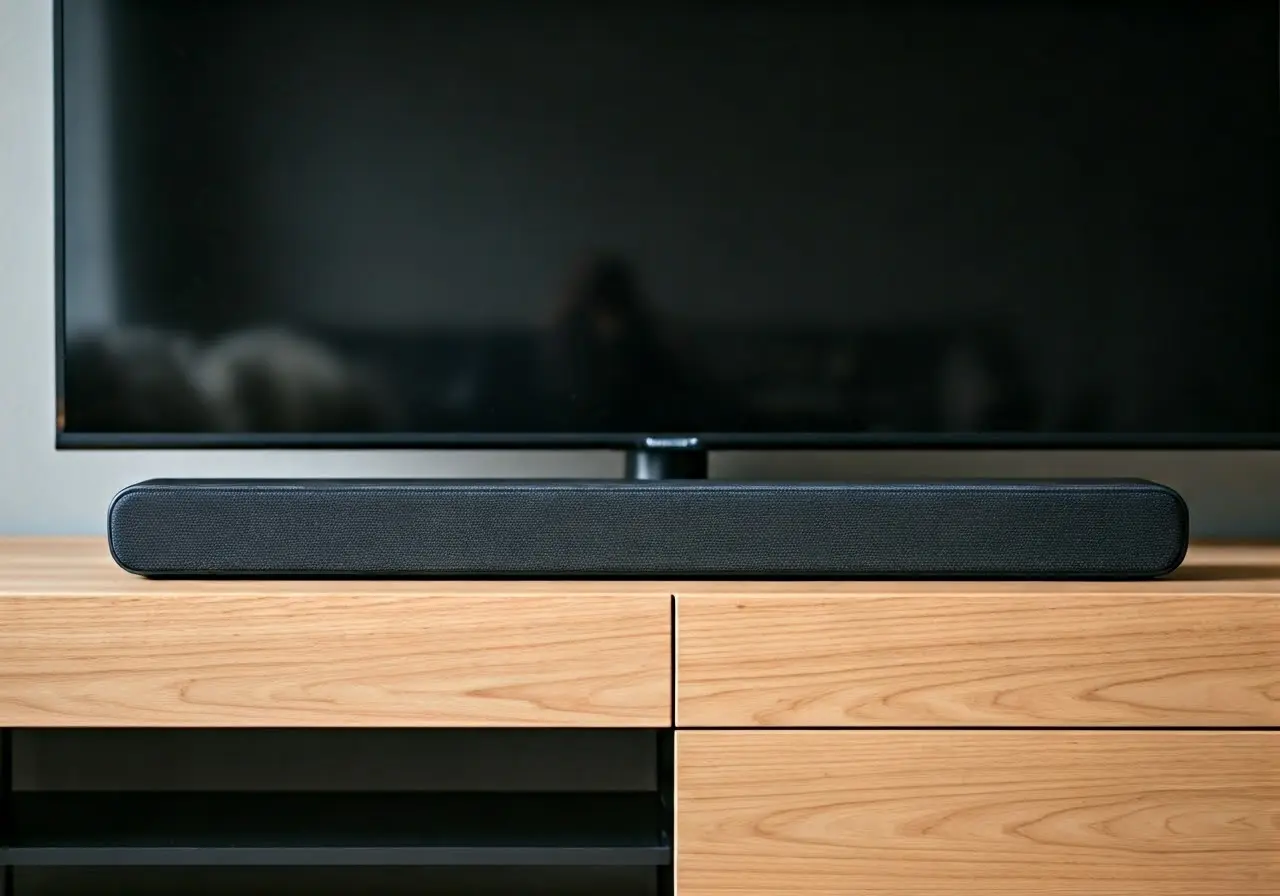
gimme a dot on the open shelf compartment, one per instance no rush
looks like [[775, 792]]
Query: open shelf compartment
[[336, 829]]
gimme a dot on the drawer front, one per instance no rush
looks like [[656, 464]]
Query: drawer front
[[844, 657], [404, 656], [935, 813]]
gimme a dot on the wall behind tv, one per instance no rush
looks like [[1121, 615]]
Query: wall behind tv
[[1231, 494]]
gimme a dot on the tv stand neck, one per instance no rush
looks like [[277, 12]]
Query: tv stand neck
[[654, 462]]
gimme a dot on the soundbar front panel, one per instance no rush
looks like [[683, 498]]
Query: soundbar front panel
[[549, 529]]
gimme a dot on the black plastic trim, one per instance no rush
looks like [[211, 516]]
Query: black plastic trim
[[59, 216]]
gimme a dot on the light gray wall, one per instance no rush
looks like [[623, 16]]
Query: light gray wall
[[43, 491]]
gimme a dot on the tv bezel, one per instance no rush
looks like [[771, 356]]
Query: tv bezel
[[619, 441]]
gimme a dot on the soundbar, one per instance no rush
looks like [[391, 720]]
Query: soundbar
[[1110, 529]]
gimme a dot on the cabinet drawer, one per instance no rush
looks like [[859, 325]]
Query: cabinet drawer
[[337, 654], [848, 655], [939, 813]]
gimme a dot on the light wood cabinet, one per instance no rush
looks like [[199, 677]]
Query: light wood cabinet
[[833, 738]]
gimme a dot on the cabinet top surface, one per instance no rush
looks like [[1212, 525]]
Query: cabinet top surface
[[82, 567]]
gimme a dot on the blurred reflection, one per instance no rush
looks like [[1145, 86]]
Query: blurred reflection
[[267, 381], [610, 367], [135, 381], [275, 381], [608, 364]]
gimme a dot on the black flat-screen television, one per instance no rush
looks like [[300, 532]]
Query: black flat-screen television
[[722, 222]]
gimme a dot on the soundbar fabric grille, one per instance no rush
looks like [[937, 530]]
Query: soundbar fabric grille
[[663, 529]]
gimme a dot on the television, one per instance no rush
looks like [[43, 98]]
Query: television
[[705, 223]]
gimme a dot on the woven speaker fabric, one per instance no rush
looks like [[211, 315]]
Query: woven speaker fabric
[[1110, 529]]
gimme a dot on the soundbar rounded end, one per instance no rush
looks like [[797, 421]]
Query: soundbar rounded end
[[118, 506], [1184, 532]]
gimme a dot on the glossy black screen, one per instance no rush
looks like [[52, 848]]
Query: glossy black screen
[[484, 220]]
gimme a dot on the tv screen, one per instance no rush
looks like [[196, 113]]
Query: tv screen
[[493, 222]]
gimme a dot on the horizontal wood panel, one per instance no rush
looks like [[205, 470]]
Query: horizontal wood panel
[[849, 656], [1010, 813], [84, 644]]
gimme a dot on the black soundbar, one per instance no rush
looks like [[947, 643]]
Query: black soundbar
[[1117, 529]]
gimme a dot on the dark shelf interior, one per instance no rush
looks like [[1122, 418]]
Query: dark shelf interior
[[309, 828], [317, 880]]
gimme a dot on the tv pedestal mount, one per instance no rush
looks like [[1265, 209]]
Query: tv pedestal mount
[[667, 458]]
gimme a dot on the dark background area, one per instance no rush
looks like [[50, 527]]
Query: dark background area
[[733, 217]]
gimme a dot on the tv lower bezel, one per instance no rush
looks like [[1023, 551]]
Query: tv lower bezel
[[696, 441]]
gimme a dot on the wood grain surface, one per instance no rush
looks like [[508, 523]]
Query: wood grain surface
[[85, 644], [990, 813], [1201, 649]]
